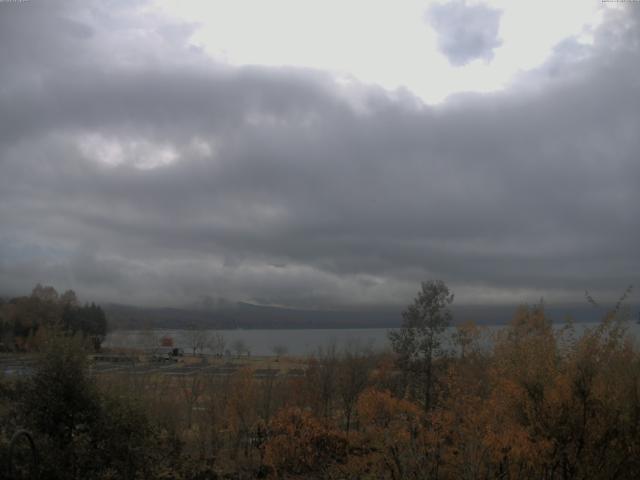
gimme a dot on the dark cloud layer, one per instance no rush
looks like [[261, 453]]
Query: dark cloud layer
[[135, 169], [465, 32]]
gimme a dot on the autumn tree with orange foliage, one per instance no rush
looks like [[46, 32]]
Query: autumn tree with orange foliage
[[538, 401], [301, 445]]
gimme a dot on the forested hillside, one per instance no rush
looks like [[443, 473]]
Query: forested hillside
[[539, 403]]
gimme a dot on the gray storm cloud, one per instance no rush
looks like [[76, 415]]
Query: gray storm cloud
[[152, 175], [465, 32]]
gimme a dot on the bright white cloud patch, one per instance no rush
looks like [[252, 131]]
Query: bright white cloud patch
[[389, 43], [138, 153]]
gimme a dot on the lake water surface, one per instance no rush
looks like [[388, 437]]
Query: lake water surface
[[296, 341]]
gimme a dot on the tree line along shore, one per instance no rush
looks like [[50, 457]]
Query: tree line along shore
[[540, 402]]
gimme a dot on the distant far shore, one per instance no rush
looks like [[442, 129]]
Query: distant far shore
[[252, 317]]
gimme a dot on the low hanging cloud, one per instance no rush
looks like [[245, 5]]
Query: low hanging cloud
[[154, 175], [466, 32]]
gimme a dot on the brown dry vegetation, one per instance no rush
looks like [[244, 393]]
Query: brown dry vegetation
[[540, 403]]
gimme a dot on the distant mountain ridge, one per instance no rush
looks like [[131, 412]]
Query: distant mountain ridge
[[250, 316]]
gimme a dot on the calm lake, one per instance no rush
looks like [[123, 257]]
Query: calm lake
[[296, 341]]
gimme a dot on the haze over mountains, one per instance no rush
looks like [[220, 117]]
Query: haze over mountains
[[245, 315]]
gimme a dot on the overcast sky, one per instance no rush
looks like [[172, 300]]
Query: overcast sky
[[322, 154]]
